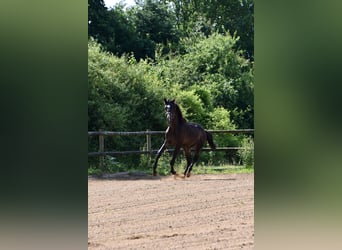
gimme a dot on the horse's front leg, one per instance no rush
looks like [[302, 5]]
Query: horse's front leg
[[172, 162], [187, 153], [160, 151]]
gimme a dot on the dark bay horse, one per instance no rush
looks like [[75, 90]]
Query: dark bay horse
[[182, 134]]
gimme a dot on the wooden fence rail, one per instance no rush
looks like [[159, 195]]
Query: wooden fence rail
[[148, 133]]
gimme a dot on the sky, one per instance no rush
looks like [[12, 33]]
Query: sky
[[111, 3]]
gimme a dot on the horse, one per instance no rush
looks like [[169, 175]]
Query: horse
[[182, 134]]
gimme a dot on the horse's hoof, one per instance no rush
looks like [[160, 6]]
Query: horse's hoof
[[173, 172], [187, 174]]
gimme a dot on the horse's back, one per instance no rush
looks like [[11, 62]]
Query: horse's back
[[193, 125], [196, 132], [188, 134]]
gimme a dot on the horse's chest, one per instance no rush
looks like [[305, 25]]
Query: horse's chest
[[171, 136], [171, 139]]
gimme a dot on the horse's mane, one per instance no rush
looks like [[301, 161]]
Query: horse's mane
[[179, 114]]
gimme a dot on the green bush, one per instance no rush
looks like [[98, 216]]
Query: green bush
[[213, 64], [192, 107], [247, 153]]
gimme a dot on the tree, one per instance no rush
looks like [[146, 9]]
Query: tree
[[218, 16], [98, 25], [155, 24], [235, 16], [113, 28], [139, 29], [123, 31]]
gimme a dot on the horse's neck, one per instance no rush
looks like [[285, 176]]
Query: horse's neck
[[177, 123], [179, 117]]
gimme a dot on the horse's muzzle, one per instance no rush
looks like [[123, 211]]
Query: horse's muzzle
[[169, 117]]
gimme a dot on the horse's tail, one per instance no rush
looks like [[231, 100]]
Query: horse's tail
[[210, 140]]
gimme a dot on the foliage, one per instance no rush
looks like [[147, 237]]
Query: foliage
[[247, 153], [98, 26], [139, 29], [154, 23], [215, 71], [217, 16], [119, 98]]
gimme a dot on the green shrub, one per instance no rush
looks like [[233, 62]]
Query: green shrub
[[247, 153]]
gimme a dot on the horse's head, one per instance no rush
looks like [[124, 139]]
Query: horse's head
[[170, 109]]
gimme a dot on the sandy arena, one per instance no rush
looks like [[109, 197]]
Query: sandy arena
[[144, 212]]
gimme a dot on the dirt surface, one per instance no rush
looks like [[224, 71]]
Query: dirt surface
[[144, 212]]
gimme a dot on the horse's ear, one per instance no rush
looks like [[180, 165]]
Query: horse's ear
[[173, 100], [165, 101]]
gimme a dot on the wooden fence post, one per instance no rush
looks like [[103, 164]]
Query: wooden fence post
[[148, 143], [101, 149]]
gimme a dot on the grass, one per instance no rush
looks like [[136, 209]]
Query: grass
[[201, 168], [222, 169], [164, 169], [144, 165]]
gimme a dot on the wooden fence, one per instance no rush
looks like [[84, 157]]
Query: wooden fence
[[148, 133]]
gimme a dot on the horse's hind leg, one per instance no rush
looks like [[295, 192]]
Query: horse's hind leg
[[188, 160], [195, 159]]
